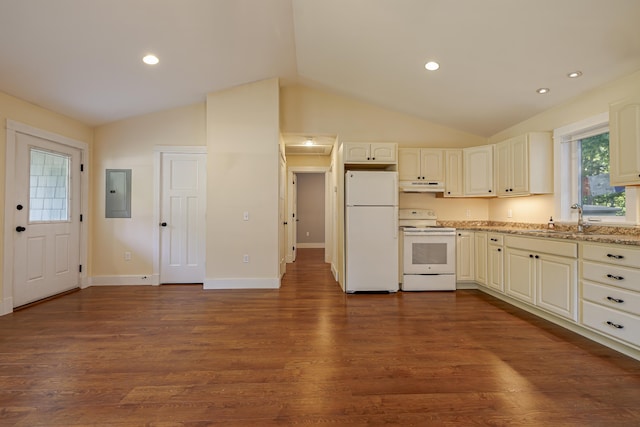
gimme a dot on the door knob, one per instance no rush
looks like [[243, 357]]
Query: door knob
[[163, 224], [20, 229]]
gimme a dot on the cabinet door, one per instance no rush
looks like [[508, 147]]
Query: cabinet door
[[557, 285], [495, 265], [383, 152], [519, 165], [480, 257], [624, 141], [409, 164], [478, 171], [356, 152], [503, 169], [520, 274], [453, 180], [432, 165], [465, 256]]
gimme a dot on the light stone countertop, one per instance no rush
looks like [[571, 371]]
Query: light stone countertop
[[622, 236]]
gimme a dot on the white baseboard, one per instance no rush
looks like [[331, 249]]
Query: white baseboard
[[309, 245], [6, 306], [242, 283], [137, 280]]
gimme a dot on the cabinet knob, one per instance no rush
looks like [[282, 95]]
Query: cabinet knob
[[20, 229], [163, 224], [537, 256], [499, 250], [489, 191], [530, 256]]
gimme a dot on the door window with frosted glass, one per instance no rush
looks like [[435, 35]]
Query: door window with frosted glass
[[48, 186]]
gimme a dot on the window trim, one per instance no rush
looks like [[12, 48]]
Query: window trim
[[565, 178]]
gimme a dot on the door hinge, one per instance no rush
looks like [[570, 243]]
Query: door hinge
[[80, 217], [81, 167], [80, 268]]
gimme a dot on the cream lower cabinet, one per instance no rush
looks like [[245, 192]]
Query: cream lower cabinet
[[465, 271], [495, 262], [544, 273], [480, 257], [610, 282]]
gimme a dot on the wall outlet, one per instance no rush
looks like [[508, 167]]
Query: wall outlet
[[307, 234], [509, 213], [245, 258], [468, 213], [245, 216], [127, 256]]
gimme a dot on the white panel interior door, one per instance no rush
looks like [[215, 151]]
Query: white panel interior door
[[47, 219], [182, 218]]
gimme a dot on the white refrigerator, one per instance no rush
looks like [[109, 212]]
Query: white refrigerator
[[371, 237]]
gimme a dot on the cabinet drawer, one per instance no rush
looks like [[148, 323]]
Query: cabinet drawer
[[618, 255], [615, 323], [609, 296], [566, 249], [496, 239], [628, 278]]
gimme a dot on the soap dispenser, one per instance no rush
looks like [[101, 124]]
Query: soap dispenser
[[551, 225]]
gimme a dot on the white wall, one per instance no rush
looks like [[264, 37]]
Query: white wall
[[242, 138]]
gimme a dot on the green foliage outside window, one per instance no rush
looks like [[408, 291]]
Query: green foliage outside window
[[598, 197]]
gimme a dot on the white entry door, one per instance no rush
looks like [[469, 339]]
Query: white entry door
[[182, 217], [47, 219]]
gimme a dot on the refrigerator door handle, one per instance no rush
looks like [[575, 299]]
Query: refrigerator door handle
[[395, 224]]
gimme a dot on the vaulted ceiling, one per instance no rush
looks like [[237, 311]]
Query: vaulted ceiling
[[83, 58]]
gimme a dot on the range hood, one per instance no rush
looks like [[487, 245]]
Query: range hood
[[421, 186]]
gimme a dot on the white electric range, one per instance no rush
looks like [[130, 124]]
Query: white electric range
[[428, 252]]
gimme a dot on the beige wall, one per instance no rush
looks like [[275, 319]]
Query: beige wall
[[537, 209], [315, 161], [243, 143], [310, 211], [129, 144], [21, 111], [310, 111]]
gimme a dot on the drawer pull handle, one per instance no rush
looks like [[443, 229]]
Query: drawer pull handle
[[616, 300], [614, 325], [615, 256], [611, 276]]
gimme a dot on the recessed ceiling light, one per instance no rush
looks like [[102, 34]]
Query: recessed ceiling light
[[150, 59], [431, 65], [543, 90], [309, 141], [574, 74]]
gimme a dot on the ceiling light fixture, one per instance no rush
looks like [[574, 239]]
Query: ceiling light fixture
[[574, 74], [431, 65], [543, 90], [150, 59], [308, 142]]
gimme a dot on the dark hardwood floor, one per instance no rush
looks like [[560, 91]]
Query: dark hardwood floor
[[305, 354]]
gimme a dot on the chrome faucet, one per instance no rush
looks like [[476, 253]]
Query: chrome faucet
[[580, 219]]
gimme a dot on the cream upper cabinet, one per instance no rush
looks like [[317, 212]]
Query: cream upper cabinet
[[453, 173], [465, 256], [424, 164], [478, 171], [624, 141], [524, 165], [370, 152]]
